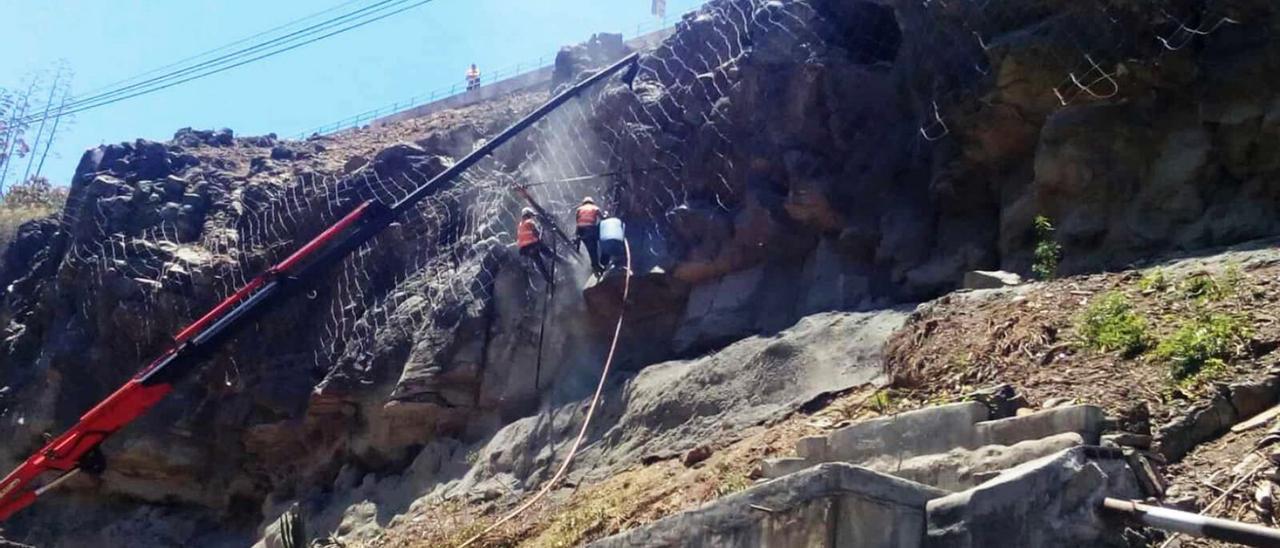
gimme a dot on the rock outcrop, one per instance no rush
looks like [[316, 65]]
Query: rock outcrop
[[774, 160], [876, 152]]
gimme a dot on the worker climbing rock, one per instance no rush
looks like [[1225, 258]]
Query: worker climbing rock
[[529, 240], [473, 77], [613, 248], [588, 217]]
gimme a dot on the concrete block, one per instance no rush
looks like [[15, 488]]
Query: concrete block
[[961, 469], [1203, 422], [1127, 439], [813, 448], [1251, 398], [1053, 502], [829, 505], [990, 279], [776, 468], [923, 432], [1151, 481], [1086, 420]]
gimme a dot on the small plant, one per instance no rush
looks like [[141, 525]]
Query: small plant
[[1154, 281], [1207, 341], [881, 402], [1047, 252], [732, 483], [1212, 371], [1203, 287], [1232, 278], [1111, 324]]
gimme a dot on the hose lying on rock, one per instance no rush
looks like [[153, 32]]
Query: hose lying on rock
[[582, 433]]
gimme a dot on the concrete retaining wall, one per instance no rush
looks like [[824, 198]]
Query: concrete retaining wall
[[827, 506], [927, 431], [949, 446], [1053, 501]]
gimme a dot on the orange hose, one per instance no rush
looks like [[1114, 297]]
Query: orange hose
[[595, 401]]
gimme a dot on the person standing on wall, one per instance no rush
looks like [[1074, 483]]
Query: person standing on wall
[[473, 77], [588, 220]]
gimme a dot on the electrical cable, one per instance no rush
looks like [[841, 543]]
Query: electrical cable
[[224, 47], [159, 83]]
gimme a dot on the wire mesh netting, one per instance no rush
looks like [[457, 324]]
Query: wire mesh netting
[[631, 144]]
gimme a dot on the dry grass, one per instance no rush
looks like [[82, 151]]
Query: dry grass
[[639, 495], [33, 199], [12, 218], [1032, 340]]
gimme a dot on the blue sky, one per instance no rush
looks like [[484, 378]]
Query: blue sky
[[417, 51]]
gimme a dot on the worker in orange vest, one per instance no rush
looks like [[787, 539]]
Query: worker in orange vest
[[588, 216], [529, 240]]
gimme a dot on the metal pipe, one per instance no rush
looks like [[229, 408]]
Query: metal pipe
[[479, 153], [1195, 525], [55, 483]]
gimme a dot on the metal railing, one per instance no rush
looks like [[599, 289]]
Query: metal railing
[[439, 94], [503, 74]]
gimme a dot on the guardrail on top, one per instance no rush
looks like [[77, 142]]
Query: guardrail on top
[[493, 78]]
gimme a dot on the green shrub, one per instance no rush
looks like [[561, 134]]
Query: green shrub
[[881, 402], [1047, 252], [1154, 281], [1204, 287], [1110, 324], [1206, 341]]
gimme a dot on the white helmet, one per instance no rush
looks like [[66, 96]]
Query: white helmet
[[526, 212]]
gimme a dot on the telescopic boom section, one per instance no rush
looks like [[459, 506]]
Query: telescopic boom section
[[70, 451], [155, 381]]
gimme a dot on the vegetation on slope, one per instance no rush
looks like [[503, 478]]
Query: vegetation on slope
[[32, 199]]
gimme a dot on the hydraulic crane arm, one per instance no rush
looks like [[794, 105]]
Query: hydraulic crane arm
[[75, 449]]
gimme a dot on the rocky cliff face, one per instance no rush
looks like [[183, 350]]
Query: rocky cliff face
[[874, 151], [772, 159]]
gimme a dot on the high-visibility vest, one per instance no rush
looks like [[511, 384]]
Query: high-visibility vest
[[526, 233], [588, 215]]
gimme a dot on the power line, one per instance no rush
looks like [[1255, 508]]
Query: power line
[[159, 83], [227, 58], [224, 47]]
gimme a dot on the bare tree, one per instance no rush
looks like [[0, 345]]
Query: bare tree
[[14, 102], [20, 138]]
